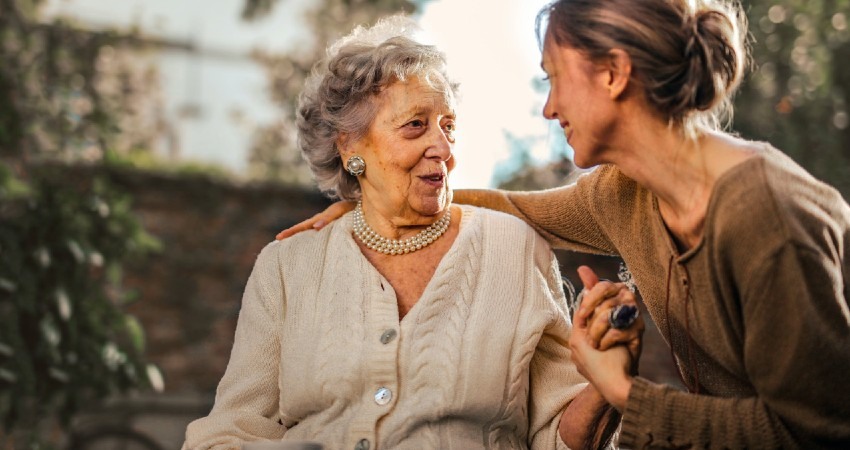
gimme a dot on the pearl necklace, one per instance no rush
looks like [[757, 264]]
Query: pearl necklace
[[376, 242]]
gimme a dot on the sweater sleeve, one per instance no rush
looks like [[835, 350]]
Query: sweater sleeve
[[796, 341], [564, 216], [554, 379], [246, 404]]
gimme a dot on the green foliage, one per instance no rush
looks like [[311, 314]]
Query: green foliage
[[798, 96], [146, 161], [65, 95], [64, 338], [68, 93]]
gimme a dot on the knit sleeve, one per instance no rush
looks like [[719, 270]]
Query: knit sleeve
[[564, 216], [554, 379], [246, 404], [796, 341]]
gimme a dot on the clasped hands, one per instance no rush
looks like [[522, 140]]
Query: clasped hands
[[606, 356]]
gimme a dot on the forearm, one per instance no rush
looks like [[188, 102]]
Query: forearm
[[662, 415], [588, 421], [485, 198], [501, 201], [560, 215]]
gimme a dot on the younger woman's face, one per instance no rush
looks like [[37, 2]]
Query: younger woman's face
[[579, 100]]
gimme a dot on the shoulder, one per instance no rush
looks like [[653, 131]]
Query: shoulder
[[771, 201], [797, 193], [498, 225], [495, 221], [508, 235], [612, 197], [609, 184], [306, 244], [312, 238]]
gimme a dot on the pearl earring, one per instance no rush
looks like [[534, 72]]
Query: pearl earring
[[355, 166]]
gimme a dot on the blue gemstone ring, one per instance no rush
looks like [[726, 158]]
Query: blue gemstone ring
[[623, 316]]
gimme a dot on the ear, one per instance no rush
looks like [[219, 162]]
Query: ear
[[619, 69], [342, 146]]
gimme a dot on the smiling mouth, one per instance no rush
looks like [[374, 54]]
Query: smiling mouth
[[568, 130], [434, 179]]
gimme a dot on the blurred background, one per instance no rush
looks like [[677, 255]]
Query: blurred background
[[147, 155]]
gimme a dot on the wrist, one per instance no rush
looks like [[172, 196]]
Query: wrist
[[618, 392]]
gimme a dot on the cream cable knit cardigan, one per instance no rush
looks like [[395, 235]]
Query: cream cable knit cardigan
[[481, 361]]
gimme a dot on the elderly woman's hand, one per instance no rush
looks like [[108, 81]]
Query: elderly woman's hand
[[318, 221], [598, 300]]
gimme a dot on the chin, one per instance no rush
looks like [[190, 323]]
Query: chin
[[584, 166], [434, 205], [583, 161]]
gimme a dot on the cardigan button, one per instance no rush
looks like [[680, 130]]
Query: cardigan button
[[362, 444], [383, 396], [388, 336]]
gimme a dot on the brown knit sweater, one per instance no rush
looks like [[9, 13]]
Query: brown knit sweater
[[756, 313]]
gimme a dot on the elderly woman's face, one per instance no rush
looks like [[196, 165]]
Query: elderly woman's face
[[408, 150]]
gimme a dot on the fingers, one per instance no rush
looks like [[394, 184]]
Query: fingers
[[630, 336], [318, 221], [588, 277], [592, 328], [612, 338], [635, 345], [337, 210], [600, 334], [598, 324], [314, 222], [593, 298]]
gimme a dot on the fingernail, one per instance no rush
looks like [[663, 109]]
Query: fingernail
[[319, 224]]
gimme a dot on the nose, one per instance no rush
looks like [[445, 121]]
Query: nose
[[548, 109], [440, 146]]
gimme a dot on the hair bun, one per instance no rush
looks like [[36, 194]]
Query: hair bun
[[714, 57]]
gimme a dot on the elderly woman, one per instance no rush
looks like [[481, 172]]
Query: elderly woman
[[411, 322]]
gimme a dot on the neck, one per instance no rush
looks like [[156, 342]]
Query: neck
[[392, 246], [676, 169], [681, 172], [396, 223]]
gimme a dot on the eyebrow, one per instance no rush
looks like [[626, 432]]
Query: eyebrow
[[418, 109], [415, 110]]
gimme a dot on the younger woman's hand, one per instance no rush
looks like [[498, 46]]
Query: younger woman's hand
[[317, 222], [608, 371], [607, 357]]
